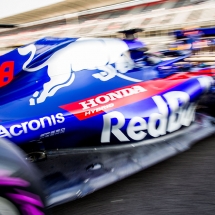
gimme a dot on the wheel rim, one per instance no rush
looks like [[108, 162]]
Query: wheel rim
[[7, 207]]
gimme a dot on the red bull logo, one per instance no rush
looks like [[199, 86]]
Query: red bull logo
[[83, 54], [138, 128]]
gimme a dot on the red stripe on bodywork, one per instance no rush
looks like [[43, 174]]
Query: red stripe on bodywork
[[152, 88]]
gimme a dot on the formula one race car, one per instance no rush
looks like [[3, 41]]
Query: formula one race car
[[191, 40], [87, 115]]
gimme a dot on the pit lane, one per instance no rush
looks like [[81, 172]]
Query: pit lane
[[184, 184]]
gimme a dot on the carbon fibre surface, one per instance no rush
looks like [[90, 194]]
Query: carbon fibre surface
[[82, 171]]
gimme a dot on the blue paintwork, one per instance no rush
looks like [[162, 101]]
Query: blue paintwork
[[199, 32], [14, 98], [191, 36]]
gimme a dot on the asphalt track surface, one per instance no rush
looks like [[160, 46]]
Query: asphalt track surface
[[184, 184]]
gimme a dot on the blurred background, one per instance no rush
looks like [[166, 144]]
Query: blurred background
[[103, 18], [181, 185]]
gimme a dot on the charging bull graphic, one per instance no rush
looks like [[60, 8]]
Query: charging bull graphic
[[89, 54]]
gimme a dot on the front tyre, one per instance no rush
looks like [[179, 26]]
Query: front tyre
[[7, 207], [20, 186]]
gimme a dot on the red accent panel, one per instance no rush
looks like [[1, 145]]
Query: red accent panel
[[152, 88], [6, 73], [187, 75]]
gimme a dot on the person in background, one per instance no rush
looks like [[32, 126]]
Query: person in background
[[137, 48]]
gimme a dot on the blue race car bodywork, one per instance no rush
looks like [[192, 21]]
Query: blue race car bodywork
[[191, 40], [59, 86], [60, 94]]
